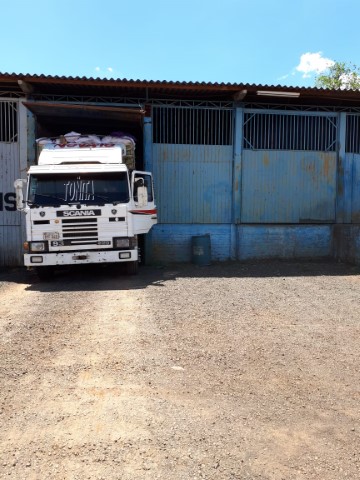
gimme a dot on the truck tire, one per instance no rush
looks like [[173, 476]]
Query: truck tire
[[131, 268], [45, 273]]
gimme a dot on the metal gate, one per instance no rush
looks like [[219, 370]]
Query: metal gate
[[289, 167], [352, 166], [10, 219], [193, 150]]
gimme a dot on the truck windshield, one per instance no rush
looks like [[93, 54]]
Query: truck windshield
[[85, 188]]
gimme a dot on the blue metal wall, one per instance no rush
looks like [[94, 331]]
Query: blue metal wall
[[346, 241], [193, 183], [284, 241], [288, 187], [172, 243], [282, 201], [349, 188]]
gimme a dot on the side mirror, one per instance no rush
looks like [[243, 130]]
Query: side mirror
[[19, 185]]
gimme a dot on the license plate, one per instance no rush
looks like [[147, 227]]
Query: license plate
[[51, 236]]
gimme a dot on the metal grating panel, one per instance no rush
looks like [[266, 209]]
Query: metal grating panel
[[290, 131], [8, 121], [10, 218], [352, 144], [192, 126]]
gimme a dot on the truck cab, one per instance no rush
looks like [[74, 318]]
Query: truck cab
[[84, 205]]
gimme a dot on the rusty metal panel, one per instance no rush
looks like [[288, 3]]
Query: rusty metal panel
[[288, 187], [193, 183], [10, 218], [9, 171], [284, 241], [349, 172]]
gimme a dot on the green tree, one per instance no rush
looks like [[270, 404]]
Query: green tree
[[340, 75]]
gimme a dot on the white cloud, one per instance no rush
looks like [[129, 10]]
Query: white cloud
[[313, 63], [284, 77], [105, 72]]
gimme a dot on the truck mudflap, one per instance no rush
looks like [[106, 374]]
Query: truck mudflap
[[80, 257]]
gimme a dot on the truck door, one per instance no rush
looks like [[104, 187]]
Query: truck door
[[144, 211]]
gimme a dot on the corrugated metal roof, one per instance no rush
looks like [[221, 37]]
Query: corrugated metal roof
[[149, 83], [151, 89]]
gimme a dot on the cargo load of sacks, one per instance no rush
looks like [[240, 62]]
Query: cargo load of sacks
[[74, 139]]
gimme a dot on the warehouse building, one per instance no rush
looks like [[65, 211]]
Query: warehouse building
[[266, 171]]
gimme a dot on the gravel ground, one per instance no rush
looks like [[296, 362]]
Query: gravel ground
[[232, 371]]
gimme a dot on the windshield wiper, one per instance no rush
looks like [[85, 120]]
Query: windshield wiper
[[106, 199], [124, 200], [114, 201], [44, 195]]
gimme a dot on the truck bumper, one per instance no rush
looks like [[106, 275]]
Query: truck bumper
[[80, 257]]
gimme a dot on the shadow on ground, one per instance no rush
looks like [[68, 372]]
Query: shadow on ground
[[100, 278]]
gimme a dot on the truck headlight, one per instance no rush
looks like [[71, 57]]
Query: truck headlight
[[121, 242], [38, 246]]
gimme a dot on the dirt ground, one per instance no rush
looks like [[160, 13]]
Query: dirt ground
[[232, 371]]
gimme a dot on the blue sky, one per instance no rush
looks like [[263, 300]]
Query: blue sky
[[274, 42]]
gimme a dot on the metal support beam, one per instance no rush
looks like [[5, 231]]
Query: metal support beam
[[148, 143], [148, 166], [237, 178], [344, 176]]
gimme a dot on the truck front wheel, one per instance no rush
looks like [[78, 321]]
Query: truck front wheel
[[131, 268]]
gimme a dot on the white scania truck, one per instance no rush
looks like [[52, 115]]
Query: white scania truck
[[83, 204]]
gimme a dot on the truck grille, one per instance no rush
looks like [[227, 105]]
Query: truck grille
[[78, 231]]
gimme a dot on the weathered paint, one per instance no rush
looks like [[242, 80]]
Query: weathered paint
[[237, 166], [193, 183], [348, 198], [28, 152], [13, 165], [346, 243], [250, 202], [344, 194], [9, 171], [277, 198], [11, 246], [288, 187], [342, 213], [172, 243], [148, 166], [284, 241]]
